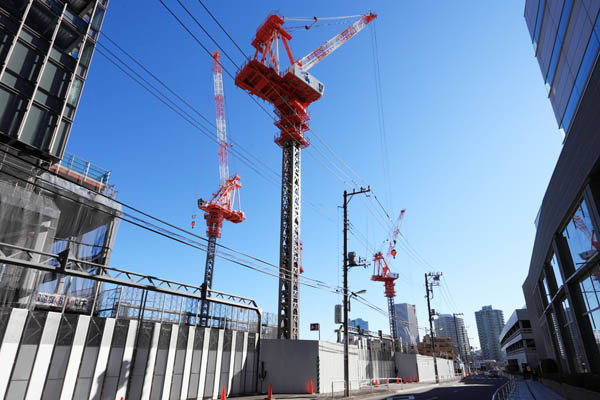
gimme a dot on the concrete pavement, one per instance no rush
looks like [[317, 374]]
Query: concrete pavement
[[533, 390]]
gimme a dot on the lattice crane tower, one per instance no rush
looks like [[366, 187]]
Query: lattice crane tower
[[382, 273], [290, 92], [221, 206]]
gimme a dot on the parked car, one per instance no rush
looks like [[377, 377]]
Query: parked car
[[493, 374]]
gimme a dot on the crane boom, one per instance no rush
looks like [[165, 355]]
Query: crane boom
[[221, 125], [312, 59]]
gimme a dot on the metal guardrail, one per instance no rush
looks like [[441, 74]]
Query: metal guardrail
[[83, 171], [504, 392]]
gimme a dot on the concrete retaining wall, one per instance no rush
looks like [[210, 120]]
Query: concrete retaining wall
[[53, 356]]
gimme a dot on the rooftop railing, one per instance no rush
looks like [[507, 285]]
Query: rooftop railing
[[83, 172]]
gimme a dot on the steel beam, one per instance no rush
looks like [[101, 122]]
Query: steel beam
[[288, 320], [208, 277], [392, 317]]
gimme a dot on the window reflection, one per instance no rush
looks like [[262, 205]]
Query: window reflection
[[556, 271], [581, 236], [571, 331], [590, 289]]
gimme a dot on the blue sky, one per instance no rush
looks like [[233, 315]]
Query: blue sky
[[471, 143]]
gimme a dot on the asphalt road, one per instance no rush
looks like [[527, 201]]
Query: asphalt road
[[472, 388]]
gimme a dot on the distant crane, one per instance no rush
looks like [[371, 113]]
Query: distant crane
[[290, 93], [381, 273], [221, 206]]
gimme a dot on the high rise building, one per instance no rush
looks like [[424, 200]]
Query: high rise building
[[359, 323], [46, 47], [407, 328], [489, 325], [454, 328], [562, 288]]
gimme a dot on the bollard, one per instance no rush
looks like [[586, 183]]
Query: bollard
[[410, 379], [403, 379], [310, 387], [375, 382], [397, 381], [270, 392]]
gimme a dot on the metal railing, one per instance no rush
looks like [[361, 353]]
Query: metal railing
[[504, 392], [82, 171], [64, 283]]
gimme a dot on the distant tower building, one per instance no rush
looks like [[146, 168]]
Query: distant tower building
[[489, 326], [359, 323], [45, 52], [446, 325], [407, 328]]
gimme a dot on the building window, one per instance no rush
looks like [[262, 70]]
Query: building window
[[560, 35], [545, 292], [538, 23], [555, 327], [556, 271], [581, 236], [590, 289], [571, 330], [582, 77]]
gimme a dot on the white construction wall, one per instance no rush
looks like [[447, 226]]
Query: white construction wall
[[320, 362], [422, 366]]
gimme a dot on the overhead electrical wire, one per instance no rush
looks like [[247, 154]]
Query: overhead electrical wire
[[314, 133]]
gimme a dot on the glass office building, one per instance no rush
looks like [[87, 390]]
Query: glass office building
[[46, 47], [562, 289]]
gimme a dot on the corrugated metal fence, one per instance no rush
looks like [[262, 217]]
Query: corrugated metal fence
[[49, 355]]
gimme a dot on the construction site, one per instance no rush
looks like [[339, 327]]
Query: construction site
[[75, 323]]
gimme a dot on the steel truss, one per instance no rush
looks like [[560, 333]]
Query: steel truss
[[288, 320], [63, 264]]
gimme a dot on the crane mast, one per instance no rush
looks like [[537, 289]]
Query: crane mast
[[290, 93], [221, 206], [382, 273]]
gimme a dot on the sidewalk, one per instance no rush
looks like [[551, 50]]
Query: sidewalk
[[533, 390]]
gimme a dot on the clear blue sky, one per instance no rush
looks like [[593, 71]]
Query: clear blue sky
[[472, 143]]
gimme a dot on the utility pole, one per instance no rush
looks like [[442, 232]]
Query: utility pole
[[458, 346], [429, 290], [347, 197]]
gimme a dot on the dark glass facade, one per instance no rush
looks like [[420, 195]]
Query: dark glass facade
[[46, 47], [562, 288]]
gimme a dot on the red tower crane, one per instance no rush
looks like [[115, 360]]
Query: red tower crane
[[382, 273], [290, 92], [221, 205]]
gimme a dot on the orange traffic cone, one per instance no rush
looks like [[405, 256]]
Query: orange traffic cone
[[223, 394], [410, 379], [310, 387], [397, 381], [375, 382], [270, 392], [387, 382]]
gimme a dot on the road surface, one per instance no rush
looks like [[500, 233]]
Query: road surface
[[471, 388]]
